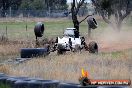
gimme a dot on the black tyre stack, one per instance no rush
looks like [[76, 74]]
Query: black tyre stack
[[92, 23], [33, 52], [39, 29], [25, 82]]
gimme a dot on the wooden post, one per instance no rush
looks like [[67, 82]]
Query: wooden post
[[27, 26], [89, 32], [6, 27], [6, 31], [49, 11], [10, 12]]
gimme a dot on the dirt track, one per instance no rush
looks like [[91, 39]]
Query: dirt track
[[114, 46], [110, 41]]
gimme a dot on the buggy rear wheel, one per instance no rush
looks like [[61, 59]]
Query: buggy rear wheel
[[93, 47]]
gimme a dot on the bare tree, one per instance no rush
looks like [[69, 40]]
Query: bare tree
[[117, 9], [75, 6]]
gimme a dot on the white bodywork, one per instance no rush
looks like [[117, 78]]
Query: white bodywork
[[69, 34]]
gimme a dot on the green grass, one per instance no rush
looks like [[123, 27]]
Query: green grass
[[18, 29]]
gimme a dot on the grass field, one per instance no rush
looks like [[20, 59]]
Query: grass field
[[52, 28], [113, 61], [16, 29], [67, 68]]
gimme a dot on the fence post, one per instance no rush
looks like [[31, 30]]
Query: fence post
[[10, 11], [26, 25], [6, 27], [49, 11]]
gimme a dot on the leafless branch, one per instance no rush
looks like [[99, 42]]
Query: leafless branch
[[79, 5], [84, 18]]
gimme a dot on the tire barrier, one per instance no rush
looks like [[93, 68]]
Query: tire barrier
[[65, 85], [34, 84], [72, 85], [113, 87], [11, 80], [34, 79], [2, 75], [43, 84], [25, 82], [92, 23], [68, 85], [39, 29], [50, 84], [33, 52], [21, 84], [3, 79]]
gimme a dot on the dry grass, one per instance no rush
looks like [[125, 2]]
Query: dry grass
[[5, 69], [11, 49], [67, 68], [110, 65]]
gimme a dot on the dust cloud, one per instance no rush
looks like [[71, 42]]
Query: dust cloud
[[111, 40]]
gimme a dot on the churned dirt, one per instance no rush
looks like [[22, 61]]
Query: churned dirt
[[111, 40]]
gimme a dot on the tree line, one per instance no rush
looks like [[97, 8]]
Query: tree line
[[32, 5], [110, 10], [117, 9]]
